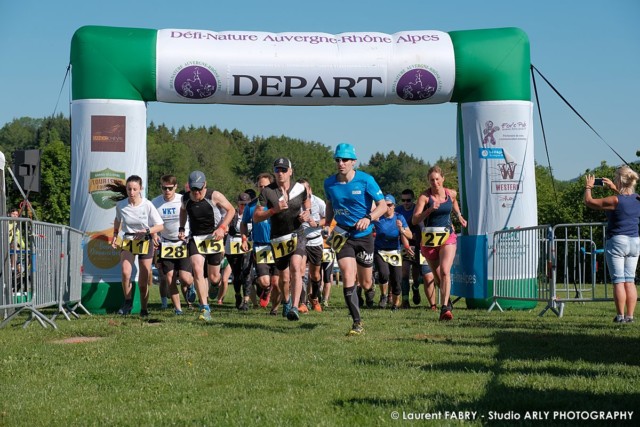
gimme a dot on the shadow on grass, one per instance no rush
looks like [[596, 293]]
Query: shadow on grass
[[255, 326], [532, 371]]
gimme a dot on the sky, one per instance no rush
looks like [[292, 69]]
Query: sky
[[589, 50]]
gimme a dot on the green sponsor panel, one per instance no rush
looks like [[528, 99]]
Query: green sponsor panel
[[521, 288], [104, 297]]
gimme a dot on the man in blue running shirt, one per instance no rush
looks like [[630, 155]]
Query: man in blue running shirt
[[350, 197]]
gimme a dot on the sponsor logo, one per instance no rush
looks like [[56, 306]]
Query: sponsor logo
[[491, 153], [195, 81], [487, 132], [98, 182], [366, 258], [108, 133], [506, 187], [100, 252], [417, 84], [507, 170], [356, 192]]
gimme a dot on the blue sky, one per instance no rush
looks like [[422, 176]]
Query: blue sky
[[589, 50]]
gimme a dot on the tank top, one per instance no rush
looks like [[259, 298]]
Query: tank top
[[623, 221]]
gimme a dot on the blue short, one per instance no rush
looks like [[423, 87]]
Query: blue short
[[622, 258]]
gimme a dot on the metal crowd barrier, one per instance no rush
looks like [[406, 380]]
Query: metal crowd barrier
[[41, 268], [520, 264], [556, 265]]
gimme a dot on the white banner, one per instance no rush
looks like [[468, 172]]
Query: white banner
[[499, 170], [109, 145], [246, 67]]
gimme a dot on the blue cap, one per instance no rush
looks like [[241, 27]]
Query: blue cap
[[345, 151], [390, 198]]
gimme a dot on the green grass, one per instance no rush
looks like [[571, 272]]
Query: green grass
[[249, 369]]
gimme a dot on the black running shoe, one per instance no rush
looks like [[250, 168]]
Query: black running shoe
[[416, 295]]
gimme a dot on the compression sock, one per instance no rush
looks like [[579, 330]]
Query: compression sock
[[351, 299]]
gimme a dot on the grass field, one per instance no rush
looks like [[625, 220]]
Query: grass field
[[256, 369]]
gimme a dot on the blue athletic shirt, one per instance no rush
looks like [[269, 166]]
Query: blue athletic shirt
[[387, 234], [441, 217], [261, 231], [352, 200]]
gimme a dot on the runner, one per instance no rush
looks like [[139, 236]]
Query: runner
[[204, 209], [350, 195]]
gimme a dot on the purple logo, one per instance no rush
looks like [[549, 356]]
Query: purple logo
[[417, 85], [488, 131], [195, 82]]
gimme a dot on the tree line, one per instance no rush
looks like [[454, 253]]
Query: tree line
[[231, 161]]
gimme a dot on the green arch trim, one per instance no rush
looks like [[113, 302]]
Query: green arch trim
[[120, 63], [114, 63]]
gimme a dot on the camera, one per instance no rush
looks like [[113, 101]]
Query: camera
[[598, 182]]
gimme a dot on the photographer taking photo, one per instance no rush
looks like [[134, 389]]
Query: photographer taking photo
[[623, 244]]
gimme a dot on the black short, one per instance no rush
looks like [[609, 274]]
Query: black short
[[360, 248], [171, 264], [314, 255]]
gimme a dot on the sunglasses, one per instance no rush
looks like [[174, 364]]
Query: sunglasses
[[341, 160], [406, 200], [280, 170], [390, 205], [196, 190], [168, 188]]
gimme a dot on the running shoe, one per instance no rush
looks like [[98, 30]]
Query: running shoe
[[405, 304], [213, 291], [416, 295], [383, 301], [264, 297], [293, 314], [273, 312], [302, 308], [618, 319], [191, 294], [144, 313], [238, 301], [244, 306], [445, 313], [628, 320], [286, 306], [356, 329], [315, 305], [178, 312], [205, 315], [126, 308]]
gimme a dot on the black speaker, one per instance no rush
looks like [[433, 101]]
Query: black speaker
[[26, 168]]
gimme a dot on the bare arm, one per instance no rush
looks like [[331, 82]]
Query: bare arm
[[221, 201]]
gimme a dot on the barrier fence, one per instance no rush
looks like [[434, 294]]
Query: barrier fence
[[41, 268], [556, 265]]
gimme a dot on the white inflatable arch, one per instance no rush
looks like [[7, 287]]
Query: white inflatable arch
[[116, 71]]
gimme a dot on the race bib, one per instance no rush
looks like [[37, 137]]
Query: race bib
[[173, 250], [393, 258], [284, 245], [136, 246], [235, 246], [434, 236], [338, 238], [264, 255], [328, 255], [207, 246]]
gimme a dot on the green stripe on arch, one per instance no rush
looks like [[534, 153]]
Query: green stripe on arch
[[491, 65], [114, 63]]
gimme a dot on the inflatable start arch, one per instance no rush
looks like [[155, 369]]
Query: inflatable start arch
[[116, 71]]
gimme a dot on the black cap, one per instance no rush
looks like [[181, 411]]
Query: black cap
[[282, 162], [244, 198]]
